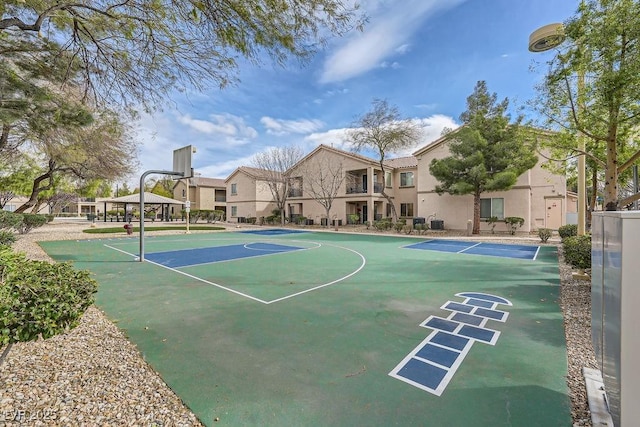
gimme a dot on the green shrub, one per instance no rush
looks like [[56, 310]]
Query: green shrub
[[7, 238], [568, 230], [10, 220], [493, 221], [544, 234], [38, 299], [353, 218], [382, 225], [31, 221], [514, 222], [218, 215], [398, 226], [577, 251], [421, 228]]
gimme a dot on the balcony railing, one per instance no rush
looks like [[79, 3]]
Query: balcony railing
[[356, 189], [359, 189], [295, 192], [220, 199]]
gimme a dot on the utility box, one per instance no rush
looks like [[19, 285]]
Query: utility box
[[615, 295], [437, 224], [418, 220]]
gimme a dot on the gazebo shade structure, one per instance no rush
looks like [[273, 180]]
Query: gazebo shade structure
[[149, 199]]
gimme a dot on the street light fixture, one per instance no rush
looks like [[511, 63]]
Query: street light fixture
[[543, 39]]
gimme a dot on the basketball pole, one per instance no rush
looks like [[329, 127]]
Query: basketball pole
[[181, 168], [142, 178]]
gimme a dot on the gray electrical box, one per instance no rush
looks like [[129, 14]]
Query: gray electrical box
[[615, 297]]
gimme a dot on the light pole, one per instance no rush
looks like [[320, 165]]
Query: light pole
[[543, 39]]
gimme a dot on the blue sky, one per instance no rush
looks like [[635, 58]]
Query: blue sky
[[423, 56]]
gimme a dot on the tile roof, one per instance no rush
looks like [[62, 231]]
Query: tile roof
[[199, 181], [402, 162]]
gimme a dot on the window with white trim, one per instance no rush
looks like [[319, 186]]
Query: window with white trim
[[234, 189], [492, 207], [234, 211], [406, 179], [387, 179]]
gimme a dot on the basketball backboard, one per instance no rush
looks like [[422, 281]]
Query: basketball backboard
[[182, 161]]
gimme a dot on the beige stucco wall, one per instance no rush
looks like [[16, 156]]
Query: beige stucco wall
[[527, 199], [546, 188], [252, 199], [404, 194], [179, 192], [343, 204]]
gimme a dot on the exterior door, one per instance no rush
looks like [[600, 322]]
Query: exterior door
[[553, 210]]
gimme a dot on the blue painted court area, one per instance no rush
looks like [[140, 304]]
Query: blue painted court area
[[478, 248], [189, 257], [273, 232]]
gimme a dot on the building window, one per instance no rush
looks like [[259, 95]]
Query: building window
[[406, 179], [295, 187], [234, 189], [492, 207], [406, 209], [184, 193], [388, 210], [234, 211], [387, 179]]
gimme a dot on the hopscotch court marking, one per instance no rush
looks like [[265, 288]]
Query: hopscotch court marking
[[432, 364]]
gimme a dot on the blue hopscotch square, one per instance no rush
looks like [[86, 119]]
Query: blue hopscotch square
[[440, 324], [492, 314], [468, 318], [480, 303], [439, 355], [449, 340], [423, 373], [456, 306], [479, 334]]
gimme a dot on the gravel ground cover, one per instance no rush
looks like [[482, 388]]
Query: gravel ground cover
[[93, 375]]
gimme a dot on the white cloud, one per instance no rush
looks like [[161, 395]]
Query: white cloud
[[284, 127], [432, 128], [391, 24], [394, 65], [333, 138], [220, 124], [225, 168], [427, 106], [402, 49]]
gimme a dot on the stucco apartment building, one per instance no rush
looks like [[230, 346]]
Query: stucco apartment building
[[202, 193], [248, 194], [539, 196]]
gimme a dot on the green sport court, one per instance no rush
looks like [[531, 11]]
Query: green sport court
[[277, 327]]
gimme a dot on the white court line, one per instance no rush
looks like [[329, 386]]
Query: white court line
[[217, 285], [466, 249], [364, 261], [248, 247], [536, 255]]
